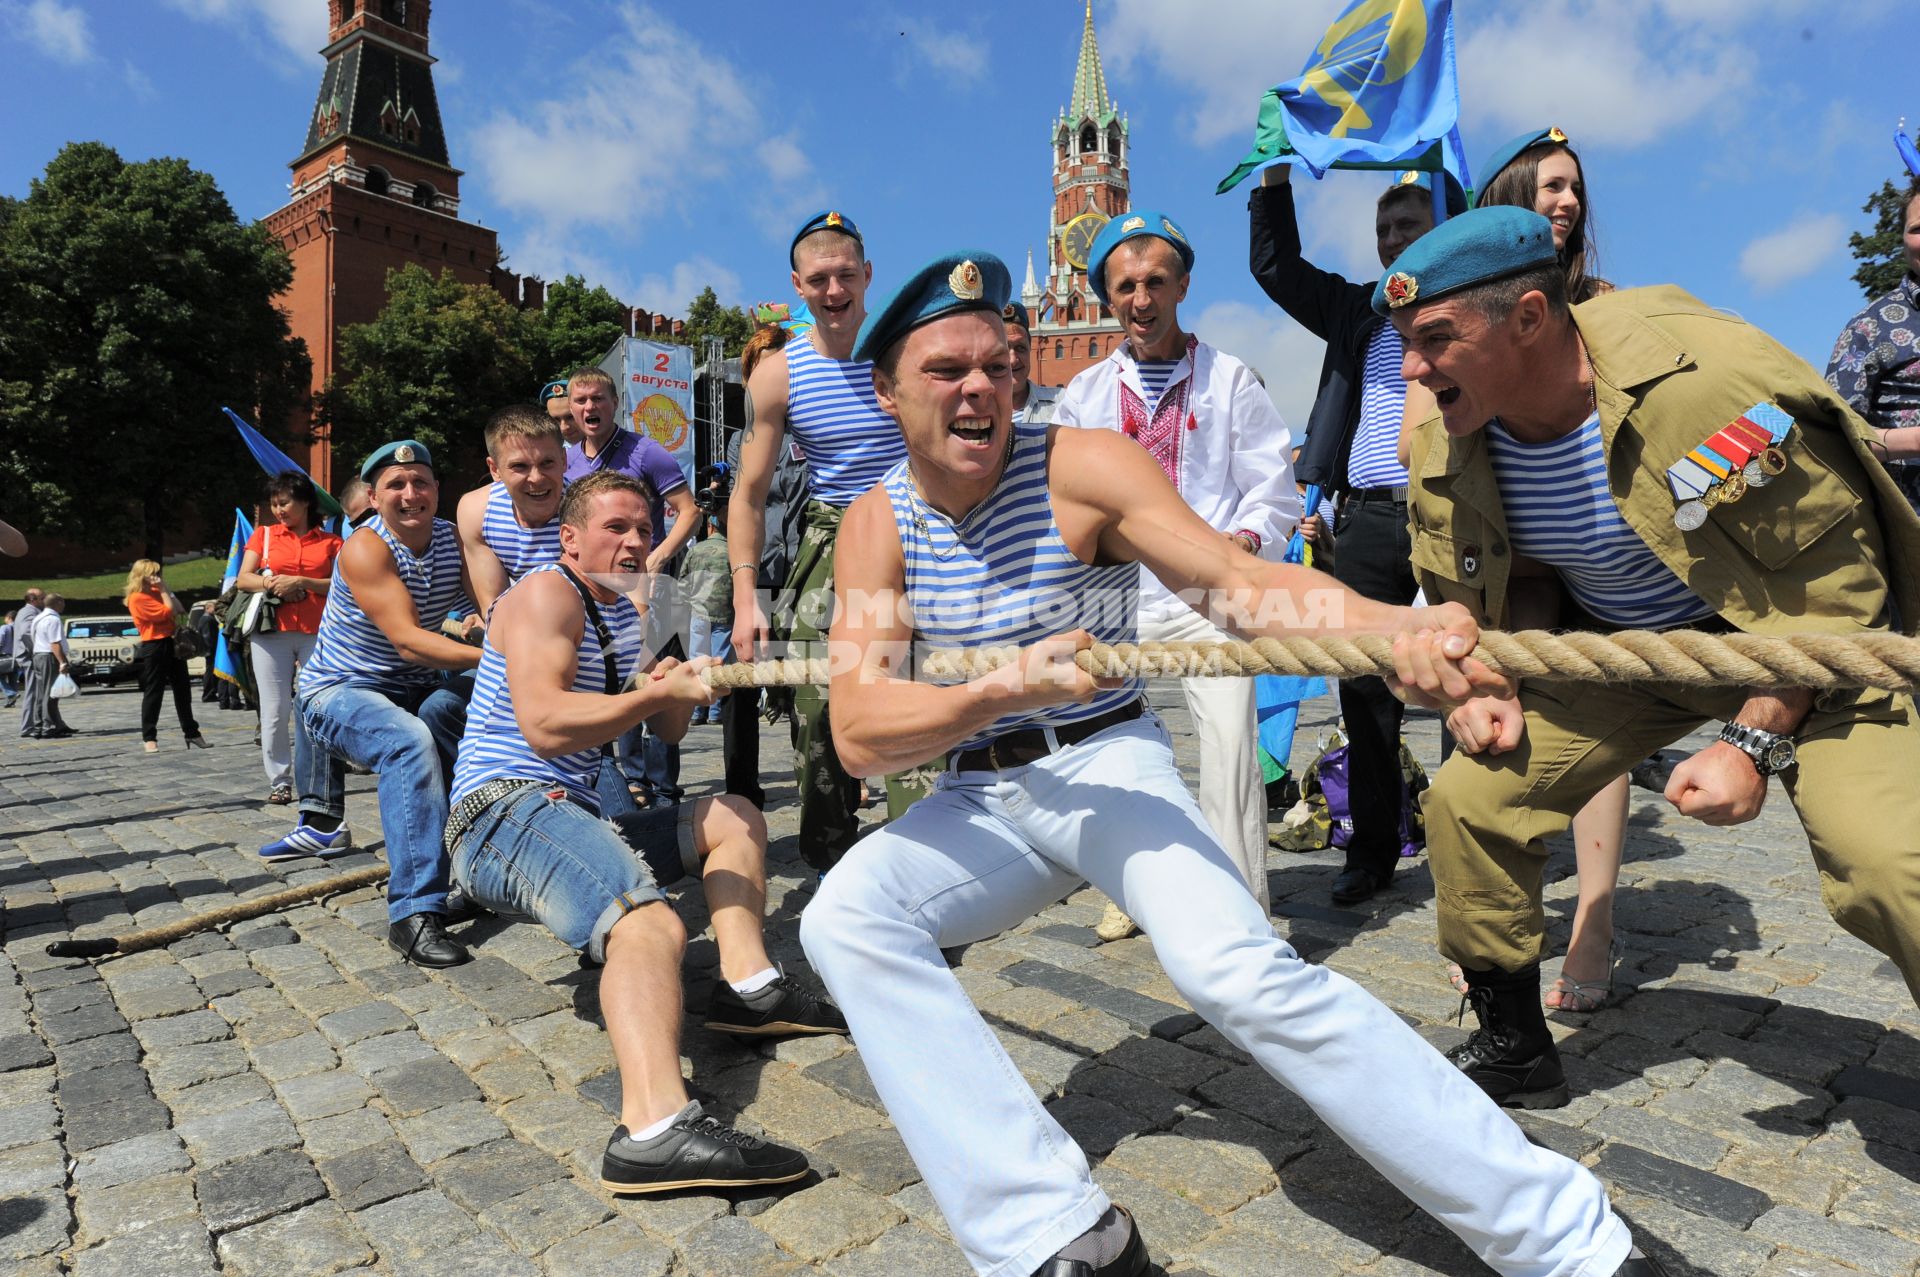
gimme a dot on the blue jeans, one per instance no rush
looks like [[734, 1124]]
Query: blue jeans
[[381, 730], [985, 851], [549, 858]]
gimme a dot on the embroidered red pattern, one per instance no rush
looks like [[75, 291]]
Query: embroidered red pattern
[[1159, 432]]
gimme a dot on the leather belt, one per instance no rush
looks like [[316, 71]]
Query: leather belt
[[1361, 496], [470, 808], [1029, 744]]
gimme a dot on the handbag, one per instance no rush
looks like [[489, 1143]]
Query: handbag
[[187, 643], [249, 614]]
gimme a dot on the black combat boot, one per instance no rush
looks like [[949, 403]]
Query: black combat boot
[[1511, 1055]]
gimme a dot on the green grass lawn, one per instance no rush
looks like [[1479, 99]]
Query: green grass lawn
[[192, 580]]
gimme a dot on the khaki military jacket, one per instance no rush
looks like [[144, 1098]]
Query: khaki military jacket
[[1830, 546]]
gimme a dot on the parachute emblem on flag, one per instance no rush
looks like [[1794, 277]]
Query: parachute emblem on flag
[[1353, 54]]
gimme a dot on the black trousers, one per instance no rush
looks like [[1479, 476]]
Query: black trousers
[[740, 744], [160, 669], [1374, 559]]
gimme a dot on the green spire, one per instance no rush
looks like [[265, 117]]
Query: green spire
[[1090, 100]]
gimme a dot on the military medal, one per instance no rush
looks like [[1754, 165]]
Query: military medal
[[1743, 455], [1690, 515]]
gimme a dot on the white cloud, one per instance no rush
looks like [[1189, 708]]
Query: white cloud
[[1797, 249], [58, 30], [1625, 75], [299, 28], [958, 56], [603, 156], [1286, 354], [1226, 52]]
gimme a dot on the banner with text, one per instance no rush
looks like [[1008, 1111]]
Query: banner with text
[[656, 394]]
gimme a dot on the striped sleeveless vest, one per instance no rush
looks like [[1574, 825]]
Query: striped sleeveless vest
[[352, 649], [494, 749], [520, 550], [1003, 575], [835, 417]]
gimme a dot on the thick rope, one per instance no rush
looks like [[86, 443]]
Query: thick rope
[[239, 910], [1687, 657]]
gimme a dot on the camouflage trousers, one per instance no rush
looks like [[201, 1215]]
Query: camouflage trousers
[[829, 797]]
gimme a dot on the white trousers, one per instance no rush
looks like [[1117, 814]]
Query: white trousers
[[277, 658], [988, 849], [1233, 797]]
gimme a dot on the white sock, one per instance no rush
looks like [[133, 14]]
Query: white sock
[[755, 982], [659, 1127]]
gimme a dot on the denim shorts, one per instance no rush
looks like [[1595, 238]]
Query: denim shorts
[[551, 859]]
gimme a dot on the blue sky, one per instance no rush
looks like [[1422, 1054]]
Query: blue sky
[[1728, 143]]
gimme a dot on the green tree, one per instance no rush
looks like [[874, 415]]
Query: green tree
[[1881, 252], [576, 326], [437, 362], [135, 305], [708, 318]]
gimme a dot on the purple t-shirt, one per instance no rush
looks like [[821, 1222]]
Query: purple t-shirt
[[640, 457]]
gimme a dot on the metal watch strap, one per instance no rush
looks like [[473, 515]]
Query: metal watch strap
[[1756, 743]]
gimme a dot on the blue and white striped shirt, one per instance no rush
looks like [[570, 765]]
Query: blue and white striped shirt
[[835, 417], [519, 549], [351, 649], [1560, 511], [493, 747], [1375, 461], [1154, 376], [1003, 575]]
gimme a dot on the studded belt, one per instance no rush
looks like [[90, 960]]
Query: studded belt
[[1029, 744], [469, 809]]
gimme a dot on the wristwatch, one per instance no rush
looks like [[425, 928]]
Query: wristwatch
[[1770, 752]]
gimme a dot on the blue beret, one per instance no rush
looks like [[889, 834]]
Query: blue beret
[[1456, 195], [1498, 161], [1473, 248], [826, 219], [948, 285], [1015, 313], [1141, 221], [401, 452]]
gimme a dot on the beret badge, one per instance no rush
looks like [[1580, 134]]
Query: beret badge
[[963, 281], [1555, 135], [833, 219], [1172, 230], [1401, 289], [404, 454], [1008, 313], [1133, 224]]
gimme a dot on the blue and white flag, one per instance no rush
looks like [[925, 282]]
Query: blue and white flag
[[224, 664], [274, 461], [1378, 91]]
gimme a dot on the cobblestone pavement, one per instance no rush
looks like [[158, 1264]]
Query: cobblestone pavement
[[288, 1097]]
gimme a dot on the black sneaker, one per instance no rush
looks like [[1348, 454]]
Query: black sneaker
[[783, 1007], [697, 1151]]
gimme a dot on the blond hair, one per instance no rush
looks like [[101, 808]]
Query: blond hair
[[137, 576]]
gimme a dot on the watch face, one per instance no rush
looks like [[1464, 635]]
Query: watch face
[[1779, 755], [1077, 240]]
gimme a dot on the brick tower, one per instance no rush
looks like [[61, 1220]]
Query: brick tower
[[372, 190], [1071, 329]]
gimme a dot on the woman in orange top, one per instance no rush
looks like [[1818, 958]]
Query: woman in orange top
[[291, 559], [153, 608]]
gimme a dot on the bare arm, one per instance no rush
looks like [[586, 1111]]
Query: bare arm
[[886, 723], [1113, 500], [368, 568], [538, 630], [747, 510], [11, 542], [686, 516], [486, 578]]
